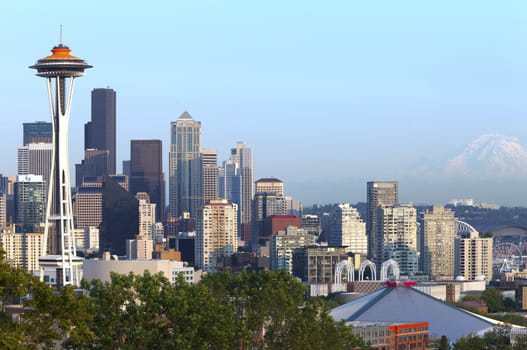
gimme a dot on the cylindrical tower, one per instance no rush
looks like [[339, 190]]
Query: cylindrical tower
[[60, 69]]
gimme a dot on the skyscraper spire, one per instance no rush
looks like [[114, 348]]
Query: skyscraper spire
[[184, 166]]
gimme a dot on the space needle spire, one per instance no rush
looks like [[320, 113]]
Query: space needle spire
[[60, 70]]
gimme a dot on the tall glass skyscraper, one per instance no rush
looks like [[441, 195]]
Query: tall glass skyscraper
[[185, 166], [30, 201], [236, 183]]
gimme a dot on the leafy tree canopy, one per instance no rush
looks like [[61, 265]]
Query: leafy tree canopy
[[252, 310]]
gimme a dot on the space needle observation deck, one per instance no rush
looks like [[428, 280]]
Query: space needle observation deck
[[58, 253]]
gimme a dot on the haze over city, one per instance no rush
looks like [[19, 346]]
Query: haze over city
[[329, 95]]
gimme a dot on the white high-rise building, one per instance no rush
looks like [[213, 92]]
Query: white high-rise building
[[87, 239], [293, 206], [217, 233], [91, 238], [397, 225], [284, 243], [147, 215], [379, 193], [473, 257], [347, 229], [439, 234], [3, 209]]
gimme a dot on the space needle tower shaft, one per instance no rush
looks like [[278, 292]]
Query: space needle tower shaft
[[60, 70]]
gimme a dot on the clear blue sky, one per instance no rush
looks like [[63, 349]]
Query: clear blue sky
[[329, 94]]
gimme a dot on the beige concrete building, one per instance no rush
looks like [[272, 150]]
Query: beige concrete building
[[439, 234], [473, 257], [217, 234], [209, 174], [21, 249], [147, 215], [270, 185], [139, 248], [87, 239], [3, 209], [102, 269]]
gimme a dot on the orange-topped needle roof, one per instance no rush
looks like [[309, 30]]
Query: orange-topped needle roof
[[60, 64], [61, 52]]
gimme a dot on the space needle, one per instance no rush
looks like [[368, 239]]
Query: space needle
[[58, 251]]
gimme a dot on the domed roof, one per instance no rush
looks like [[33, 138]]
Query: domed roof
[[61, 52]]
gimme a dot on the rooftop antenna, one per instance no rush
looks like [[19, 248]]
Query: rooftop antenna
[[60, 36]]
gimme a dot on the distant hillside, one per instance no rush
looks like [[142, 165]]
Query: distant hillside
[[483, 220], [486, 220]]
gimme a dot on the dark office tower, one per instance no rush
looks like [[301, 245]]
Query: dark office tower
[[38, 132], [379, 193], [100, 132], [127, 168], [7, 186], [95, 164], [146, 172], [120, 217], [88, 200], [184, 166]]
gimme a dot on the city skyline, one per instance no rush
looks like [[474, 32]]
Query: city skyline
[[353, 92]]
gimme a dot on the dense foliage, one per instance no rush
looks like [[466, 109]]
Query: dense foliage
[[499, 308], [497, 339], [258, 310]]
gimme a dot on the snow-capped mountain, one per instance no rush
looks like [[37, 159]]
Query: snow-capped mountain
[[490, 156]]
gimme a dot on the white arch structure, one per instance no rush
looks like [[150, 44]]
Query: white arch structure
[[390, 263], [362, 269], [350, 269], [464, 227]]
